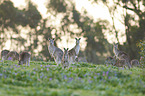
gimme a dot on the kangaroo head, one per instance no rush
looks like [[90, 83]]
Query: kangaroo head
[[78, 40], [4, 52], [115, 45], [51, 41], [66, 50]]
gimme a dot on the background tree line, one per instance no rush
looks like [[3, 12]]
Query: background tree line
[[15, 22]]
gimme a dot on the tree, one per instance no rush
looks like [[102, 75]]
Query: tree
[[9, 21], [92, 31], [134, 33]]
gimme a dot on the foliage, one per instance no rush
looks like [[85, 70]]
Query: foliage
[[13, 20], [57, 6], [32, 15], [141, 45], [45, 78], [11, 16]]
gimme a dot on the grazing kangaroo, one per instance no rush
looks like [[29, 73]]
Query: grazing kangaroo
[[4, 54], [120, 63], [73, 53], [65, 61], [135, 62], [110, 60], [81, 59], [12, 55], [121, 55], [114, 62], [24, 58], [55, 52]]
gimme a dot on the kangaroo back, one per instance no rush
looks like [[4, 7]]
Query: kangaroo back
[[24, 58], [4, 54], [12, 55]]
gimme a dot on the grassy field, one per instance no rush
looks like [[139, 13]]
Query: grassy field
[[84, 79]]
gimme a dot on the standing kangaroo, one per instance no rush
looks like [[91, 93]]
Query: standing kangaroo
[[24, 58], [73, 53], [4, 54], [55, 52], [12, 55], [121, 55], [65, 61]]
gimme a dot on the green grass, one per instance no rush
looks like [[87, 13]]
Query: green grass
[[84, 79]]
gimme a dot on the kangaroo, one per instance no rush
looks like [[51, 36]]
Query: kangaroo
[[65, 62], [110, 60], [73, 53], [135, 62], [120, 63], [142, 61], [81, 59], [121, 55], [4, 54], [114, 62], [12, 55], [24, 58], [55, 52]]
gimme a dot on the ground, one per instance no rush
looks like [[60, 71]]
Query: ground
[[83, 79]]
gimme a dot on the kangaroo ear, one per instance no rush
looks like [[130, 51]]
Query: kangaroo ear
[[79, 38], [76, 38], [64, 48], [67, 49], [48, 38]]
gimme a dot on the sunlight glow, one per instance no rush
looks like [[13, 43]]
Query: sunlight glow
[[19, 3], [94, 10]]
